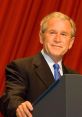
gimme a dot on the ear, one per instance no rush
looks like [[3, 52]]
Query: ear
[[71, 42], [41, 37]]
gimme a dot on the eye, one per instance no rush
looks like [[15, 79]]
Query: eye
[[64, 34], [52, 32]]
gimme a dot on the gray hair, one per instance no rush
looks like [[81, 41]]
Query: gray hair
[[60, 16]]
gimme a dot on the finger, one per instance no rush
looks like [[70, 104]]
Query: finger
[[20, 111], [29, 105], [27, 108]]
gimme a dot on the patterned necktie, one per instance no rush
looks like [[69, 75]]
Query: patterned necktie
[[56, 72]]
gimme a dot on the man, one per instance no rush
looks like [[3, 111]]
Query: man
[[28, 78]]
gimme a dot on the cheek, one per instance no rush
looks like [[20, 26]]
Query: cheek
[[67, 43], [46, 41]]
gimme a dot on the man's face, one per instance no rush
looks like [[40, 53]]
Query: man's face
[[57, 38]]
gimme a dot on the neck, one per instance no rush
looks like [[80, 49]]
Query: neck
[[56, 59]]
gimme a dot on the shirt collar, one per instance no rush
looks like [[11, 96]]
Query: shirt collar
[[50, 61]]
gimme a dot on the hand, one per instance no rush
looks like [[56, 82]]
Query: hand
[[24, 109]]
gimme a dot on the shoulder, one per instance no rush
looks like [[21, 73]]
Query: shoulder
[[26, 62], [67, 70]]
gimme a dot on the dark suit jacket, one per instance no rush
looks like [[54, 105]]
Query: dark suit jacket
[[27, 79]]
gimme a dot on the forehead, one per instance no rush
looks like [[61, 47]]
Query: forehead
[[59, 24], [53, 21]]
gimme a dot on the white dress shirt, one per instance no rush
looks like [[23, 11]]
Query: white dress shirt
[[50, 62]]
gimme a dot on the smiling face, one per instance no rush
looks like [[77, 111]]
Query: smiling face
[[57, 38]]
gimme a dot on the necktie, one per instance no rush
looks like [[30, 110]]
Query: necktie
[[56, 72]]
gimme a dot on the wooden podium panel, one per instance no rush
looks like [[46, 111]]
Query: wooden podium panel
[[61, 99]]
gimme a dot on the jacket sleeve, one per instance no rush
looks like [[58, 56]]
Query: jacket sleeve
[[15, 90]]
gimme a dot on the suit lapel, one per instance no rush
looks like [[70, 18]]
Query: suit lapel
[[42, 70]]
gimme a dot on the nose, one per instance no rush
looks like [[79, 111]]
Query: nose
[[57, 37]]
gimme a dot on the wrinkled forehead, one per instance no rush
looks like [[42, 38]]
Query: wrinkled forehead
[[57, 23], [53, 20]]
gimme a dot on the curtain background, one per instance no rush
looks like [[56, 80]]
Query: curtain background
[[19, 30]]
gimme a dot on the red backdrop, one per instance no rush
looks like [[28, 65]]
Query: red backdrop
[[19, 30]]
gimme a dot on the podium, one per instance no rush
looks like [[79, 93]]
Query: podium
[[61, 99]]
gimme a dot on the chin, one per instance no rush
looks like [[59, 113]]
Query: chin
[[56, 54]]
